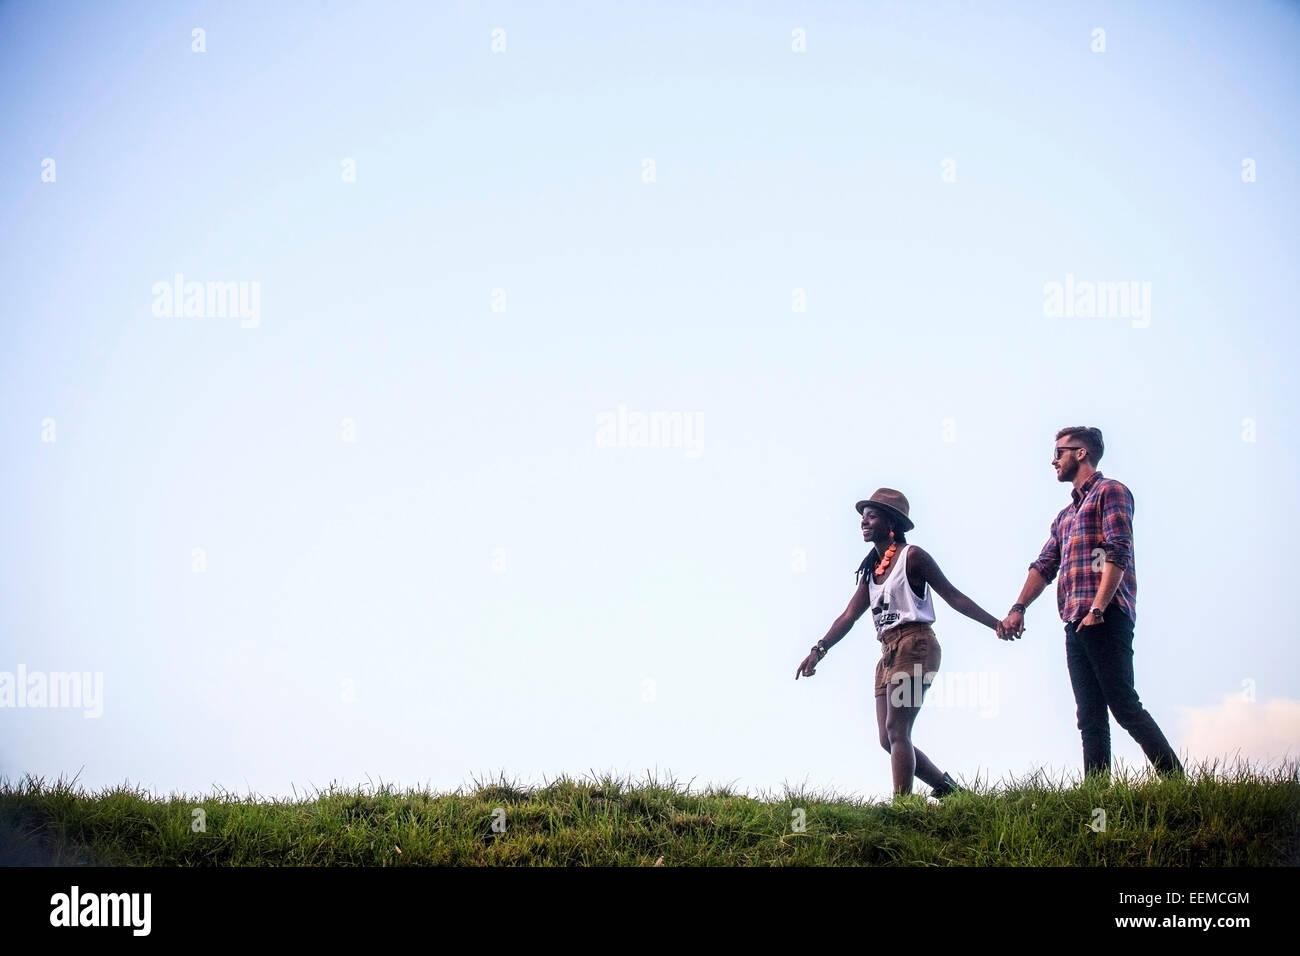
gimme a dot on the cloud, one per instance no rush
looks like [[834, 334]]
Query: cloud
[[1238, 727]]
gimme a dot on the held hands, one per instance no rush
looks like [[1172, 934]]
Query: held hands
[[1012, 626]]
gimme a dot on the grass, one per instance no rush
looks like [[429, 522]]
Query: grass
[[1215, 817]]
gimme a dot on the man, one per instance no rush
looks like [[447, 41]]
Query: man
[[1091, 544]]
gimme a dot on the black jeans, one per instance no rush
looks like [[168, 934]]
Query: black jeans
[[1100, 659]]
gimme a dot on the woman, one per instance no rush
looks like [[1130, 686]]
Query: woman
[[896, 581]]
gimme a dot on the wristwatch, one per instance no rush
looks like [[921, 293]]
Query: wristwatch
[[1097, 611]]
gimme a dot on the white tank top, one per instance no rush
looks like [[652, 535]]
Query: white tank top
[[894, 602]]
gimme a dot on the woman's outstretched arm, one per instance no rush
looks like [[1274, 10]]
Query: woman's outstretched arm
[[858, 604], [920, 563]]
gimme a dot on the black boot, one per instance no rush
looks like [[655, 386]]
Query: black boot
[[947, 787]]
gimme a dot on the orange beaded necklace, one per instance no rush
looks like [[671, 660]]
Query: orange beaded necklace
[[883, 563]]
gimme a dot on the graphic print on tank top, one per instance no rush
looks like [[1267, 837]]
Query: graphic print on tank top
[[893, 602]]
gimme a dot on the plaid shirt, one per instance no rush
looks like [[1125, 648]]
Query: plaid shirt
[[1097, 526]]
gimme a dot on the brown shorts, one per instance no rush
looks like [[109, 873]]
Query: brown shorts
[[908, 650]]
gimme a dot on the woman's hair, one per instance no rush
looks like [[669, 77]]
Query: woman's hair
[[899, 536]]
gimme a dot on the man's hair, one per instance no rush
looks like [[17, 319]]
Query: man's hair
[[1089, 438]]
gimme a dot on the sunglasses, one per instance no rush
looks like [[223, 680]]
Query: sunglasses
[[1061, 451]]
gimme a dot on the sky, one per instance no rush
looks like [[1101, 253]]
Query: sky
[[401, 516]]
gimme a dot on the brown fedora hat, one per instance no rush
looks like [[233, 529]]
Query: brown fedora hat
[[891, 501]]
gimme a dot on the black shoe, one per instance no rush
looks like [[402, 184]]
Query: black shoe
[[947, 787]]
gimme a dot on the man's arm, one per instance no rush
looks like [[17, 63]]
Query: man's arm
[[1111, 575], [1035, 584], [1041, 573], [1116, 540]]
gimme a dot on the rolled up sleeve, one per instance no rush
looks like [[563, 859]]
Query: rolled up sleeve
[[1117, 525], [1048, 561]]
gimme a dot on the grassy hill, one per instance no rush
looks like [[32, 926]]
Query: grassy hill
[[1214, 818]]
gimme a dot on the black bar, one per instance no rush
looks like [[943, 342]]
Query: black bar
[[920, 903]]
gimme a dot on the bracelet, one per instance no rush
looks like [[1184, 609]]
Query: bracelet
[[820, 648], [1018, 607]]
